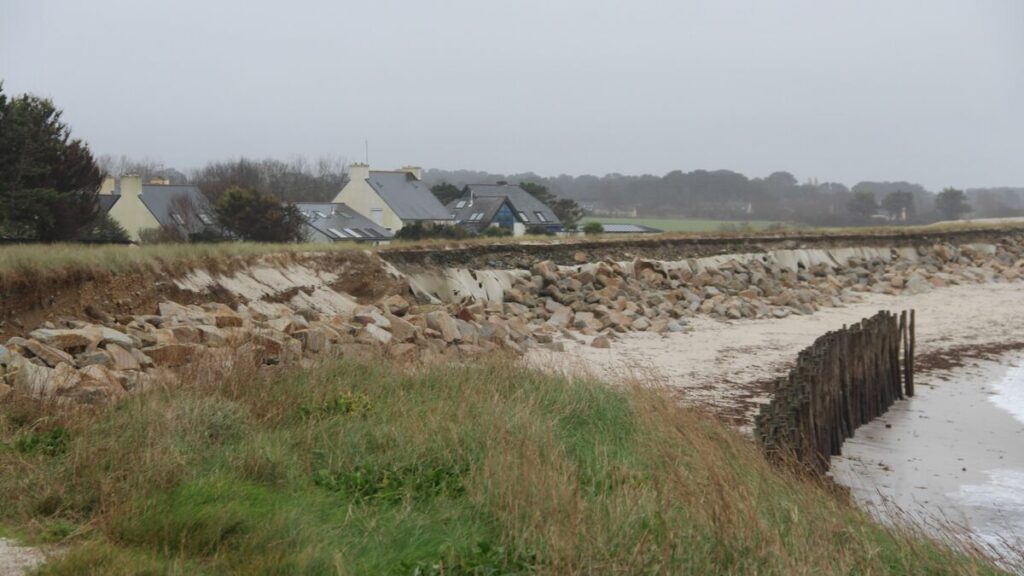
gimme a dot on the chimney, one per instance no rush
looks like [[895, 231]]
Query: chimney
[[131, 185], [108, 185], [415, 171], [358, 172]]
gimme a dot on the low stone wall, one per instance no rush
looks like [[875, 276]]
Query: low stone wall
[[523, 255], [845, 379]]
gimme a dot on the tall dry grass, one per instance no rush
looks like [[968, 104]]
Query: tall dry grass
[[358, 467]]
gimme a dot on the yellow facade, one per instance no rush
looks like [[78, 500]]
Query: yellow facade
[[364, 199], [129, 211]]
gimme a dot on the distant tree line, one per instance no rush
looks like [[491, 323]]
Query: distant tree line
[[49, 183], [728, 195]]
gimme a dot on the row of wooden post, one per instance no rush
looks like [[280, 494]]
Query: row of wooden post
[[845, 379]]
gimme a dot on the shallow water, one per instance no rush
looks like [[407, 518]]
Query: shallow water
[[951, 459]]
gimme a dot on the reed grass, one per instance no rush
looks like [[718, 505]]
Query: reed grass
[[361, 467]]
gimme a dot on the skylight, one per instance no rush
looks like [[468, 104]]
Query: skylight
[[541, 217], [461, 204], [337, 232], [353, 233], [524, 217]]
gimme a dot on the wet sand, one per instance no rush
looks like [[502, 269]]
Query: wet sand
[[951, 456]]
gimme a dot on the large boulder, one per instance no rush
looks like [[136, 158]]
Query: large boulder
[[444, 324], [171, 355], [122, 359], [49, 355], [63, 339], [395, 305], [917, 284]]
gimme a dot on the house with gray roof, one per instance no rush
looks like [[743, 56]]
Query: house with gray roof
[[504, 205], [392, 198], [328, 222], [137, 206]]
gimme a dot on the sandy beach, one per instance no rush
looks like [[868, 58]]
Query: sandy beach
[[949, 456], [723, 365]]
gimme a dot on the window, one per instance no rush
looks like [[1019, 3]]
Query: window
[[178, 219], [523, 216], [337, 232], [476, 217], [353, 233], [205, 218], [377, 215], [541, 217], [319, 214], [461, 204]]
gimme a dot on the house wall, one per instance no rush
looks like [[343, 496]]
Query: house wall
[[129, 211], [364, 199]]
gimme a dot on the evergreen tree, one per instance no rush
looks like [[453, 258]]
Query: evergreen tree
[[48, 180], [258, 217]]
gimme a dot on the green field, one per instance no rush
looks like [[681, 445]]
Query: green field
[[686, 224]]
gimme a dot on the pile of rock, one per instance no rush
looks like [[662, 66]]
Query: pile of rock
[[81, 362], [647, 295]]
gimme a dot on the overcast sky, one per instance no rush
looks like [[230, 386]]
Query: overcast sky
[[930, 91]]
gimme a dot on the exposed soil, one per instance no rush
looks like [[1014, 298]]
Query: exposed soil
[[92, 295], [29, 300]]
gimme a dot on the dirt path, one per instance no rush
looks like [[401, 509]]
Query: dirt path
[[16, 560], [725, 364]]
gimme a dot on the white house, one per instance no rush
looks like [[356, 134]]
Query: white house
[[392, 198]]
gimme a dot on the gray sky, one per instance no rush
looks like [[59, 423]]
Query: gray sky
[[929, 91]]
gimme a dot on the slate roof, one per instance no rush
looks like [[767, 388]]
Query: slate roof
[[410, 198], [107, 201], [488, 206], [521, 201], [338, 221], [169, 203], [170, 206]]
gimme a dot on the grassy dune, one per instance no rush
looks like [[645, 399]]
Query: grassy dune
[[37, 260], [360, 468]]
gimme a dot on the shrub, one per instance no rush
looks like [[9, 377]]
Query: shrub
[[161, 235], [591, 228], [496, 232], [422, 231]]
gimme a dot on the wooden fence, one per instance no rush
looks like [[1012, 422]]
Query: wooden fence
[[845, 379]]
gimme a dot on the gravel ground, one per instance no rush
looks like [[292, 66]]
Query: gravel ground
[[16, 560]]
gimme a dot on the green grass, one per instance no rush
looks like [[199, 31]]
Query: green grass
[[692, 225], [361, 468]]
